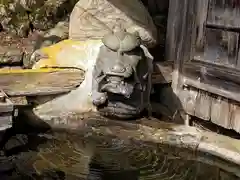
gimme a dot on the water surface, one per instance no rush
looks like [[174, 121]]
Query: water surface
[[69, 155]]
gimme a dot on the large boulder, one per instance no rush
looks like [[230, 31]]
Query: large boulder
[[92, 19]]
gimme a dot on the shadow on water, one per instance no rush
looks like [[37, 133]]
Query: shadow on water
[[35, 151]]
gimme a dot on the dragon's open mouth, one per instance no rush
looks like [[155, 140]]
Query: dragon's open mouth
[[118, 85], [119, 110], [123, 88]]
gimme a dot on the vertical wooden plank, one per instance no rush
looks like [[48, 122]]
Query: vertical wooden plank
[[180, 17], [235, 117], [238, 59], [220, 112], [218, 46], [224, 13], [5, 121], [202, 9], [188, 98], [231, 40], [6, 111], [6, 105], [203, 105]]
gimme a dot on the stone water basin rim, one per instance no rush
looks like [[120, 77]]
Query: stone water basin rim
[[155, 131]]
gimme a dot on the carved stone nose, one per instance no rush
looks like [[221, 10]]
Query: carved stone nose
[[118, 68]]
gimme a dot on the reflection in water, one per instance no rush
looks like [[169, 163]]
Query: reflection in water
[[65, 155]]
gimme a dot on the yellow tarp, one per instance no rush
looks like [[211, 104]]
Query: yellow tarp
[[67, 53]]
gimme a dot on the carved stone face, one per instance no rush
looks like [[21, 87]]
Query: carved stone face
[[119, 70], [120, 80]]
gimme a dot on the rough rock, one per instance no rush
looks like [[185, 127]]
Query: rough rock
[[53, 36], [21, 16], [14, 51], [95, 18]]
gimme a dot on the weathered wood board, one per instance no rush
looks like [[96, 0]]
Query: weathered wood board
[[219, 110], [40, 83], [6, 111], [162, 72], [203, 40], [56, 82]]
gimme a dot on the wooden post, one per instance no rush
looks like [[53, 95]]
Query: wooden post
[[178, 45], [6, 111], [187, 120], [175, 39]]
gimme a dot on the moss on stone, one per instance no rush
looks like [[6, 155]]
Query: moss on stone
[[20, 16]]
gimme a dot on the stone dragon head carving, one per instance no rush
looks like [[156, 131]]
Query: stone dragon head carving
[[121, 82]]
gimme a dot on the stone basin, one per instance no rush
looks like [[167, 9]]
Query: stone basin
[[90, 146]]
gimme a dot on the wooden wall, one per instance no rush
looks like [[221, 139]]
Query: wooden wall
[[203, 86], [210, 107]]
